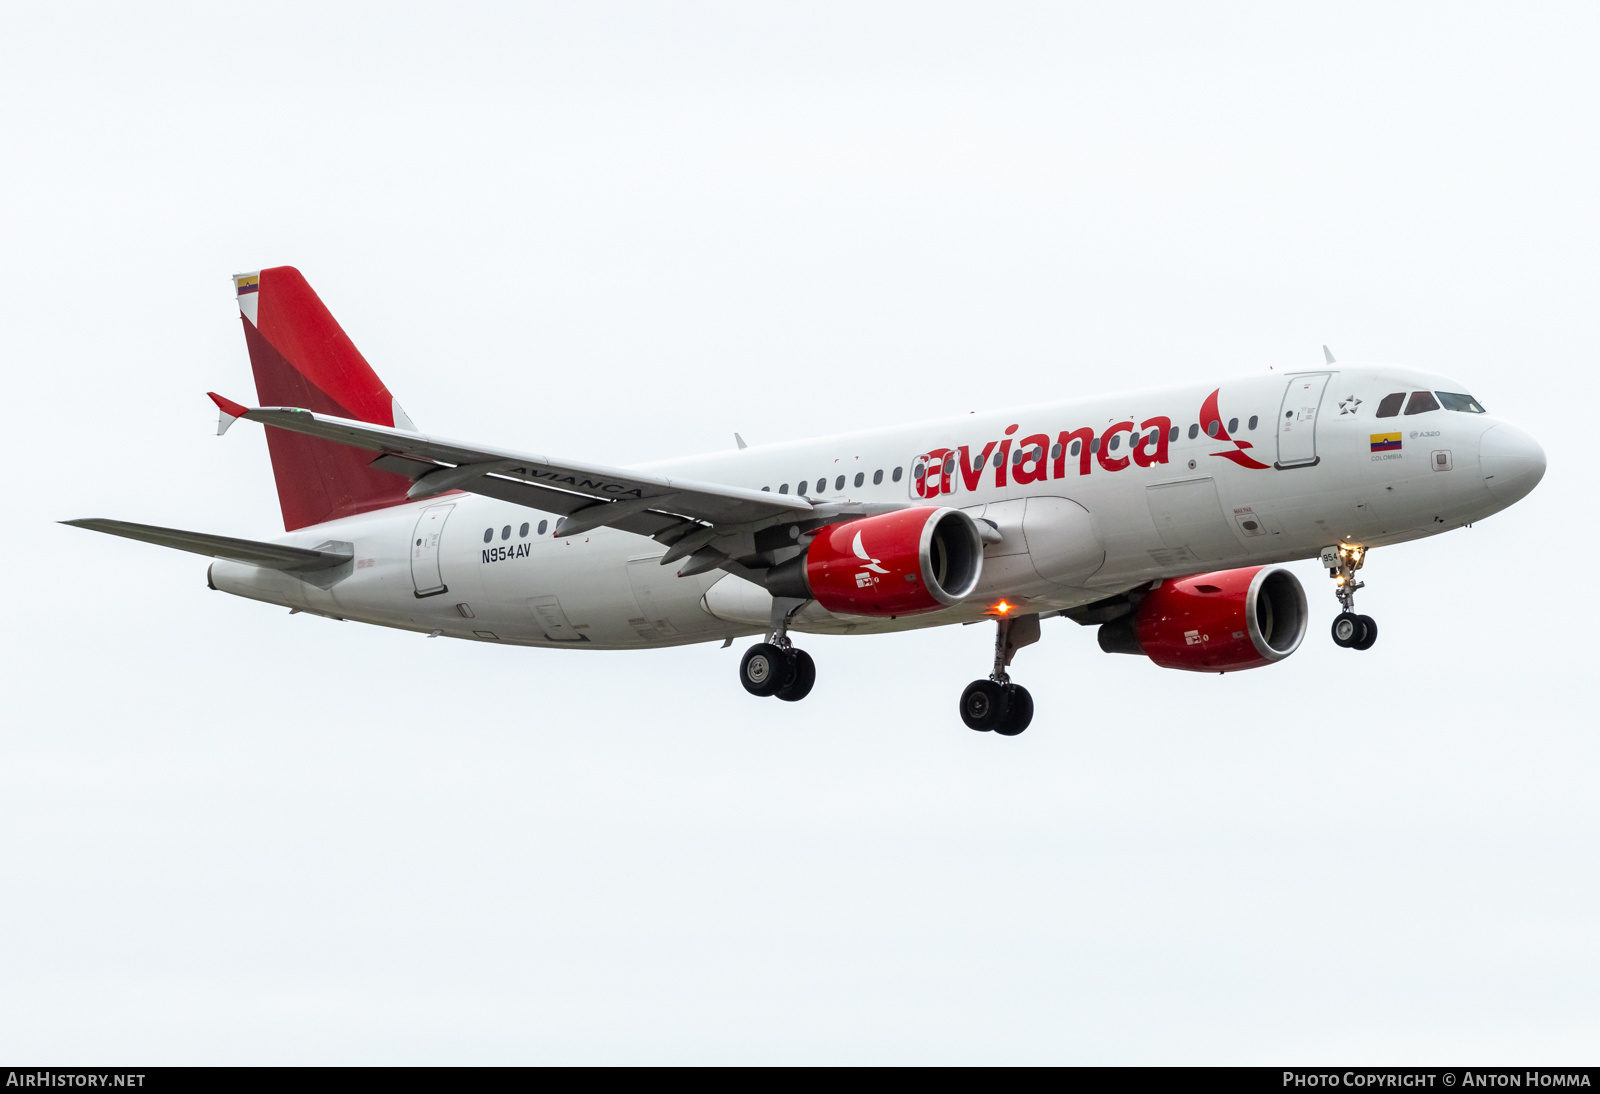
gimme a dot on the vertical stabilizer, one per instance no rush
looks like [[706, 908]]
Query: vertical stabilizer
[[301, 357]]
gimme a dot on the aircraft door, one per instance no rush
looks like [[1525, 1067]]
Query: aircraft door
[[426, 577], [1188, 517], [1297, 420]]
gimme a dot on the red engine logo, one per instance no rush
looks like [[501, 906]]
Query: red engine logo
[[919, 560]]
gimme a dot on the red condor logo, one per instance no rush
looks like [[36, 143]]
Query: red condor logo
[[1210, 417], [1036, 457]]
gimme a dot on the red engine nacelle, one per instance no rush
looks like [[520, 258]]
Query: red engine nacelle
[[1221, 622], [902, 563]]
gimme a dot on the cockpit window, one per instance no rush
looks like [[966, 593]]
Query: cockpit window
[[1466, 404], [1422, 402], [1391, 404]]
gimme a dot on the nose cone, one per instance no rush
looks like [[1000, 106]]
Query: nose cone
[[1512, 462]]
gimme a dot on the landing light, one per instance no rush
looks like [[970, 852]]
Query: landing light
[[1001, 607]]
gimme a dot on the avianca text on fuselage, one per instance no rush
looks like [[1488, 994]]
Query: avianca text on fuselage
[[1044, 457]]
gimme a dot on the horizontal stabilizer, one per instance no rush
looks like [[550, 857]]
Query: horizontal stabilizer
[[274, 556]]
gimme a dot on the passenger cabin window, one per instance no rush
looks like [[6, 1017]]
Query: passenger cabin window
[[1254, 421], [1194, 431], [784, 489], [1172, 435], [522, 533], [543, 524], [896, 475], [861, 477], [1466, 404], [877, 477], [1390, 406], [838, 483], [1422, 402]]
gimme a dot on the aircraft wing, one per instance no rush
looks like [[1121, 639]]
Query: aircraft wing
[[589, 495]]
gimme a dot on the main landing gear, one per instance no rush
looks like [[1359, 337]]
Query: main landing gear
[[1350, 631], [996, 703], [775, 667]]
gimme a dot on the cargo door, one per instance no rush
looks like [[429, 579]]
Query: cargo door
[[1297, 420], [1188, 517], [426, 577], [670, 605], [652, 622], [553, 620]]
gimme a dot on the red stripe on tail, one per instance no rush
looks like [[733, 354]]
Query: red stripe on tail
[[302, 357]]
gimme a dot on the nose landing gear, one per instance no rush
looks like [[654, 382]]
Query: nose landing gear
[[1350, 631], [775, 667], [996, 703]]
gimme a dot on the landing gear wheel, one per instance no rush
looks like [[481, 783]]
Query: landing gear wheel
[[1348, 629], [764, 669], [983, 705], [1018, 713], [1369, 634], [802, 674]]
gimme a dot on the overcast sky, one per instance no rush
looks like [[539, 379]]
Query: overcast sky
[[623, 232]]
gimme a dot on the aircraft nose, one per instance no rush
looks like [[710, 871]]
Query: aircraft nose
[[1512, 462]]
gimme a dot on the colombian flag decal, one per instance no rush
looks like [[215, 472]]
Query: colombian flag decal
[[252, 283], [1385, 442]]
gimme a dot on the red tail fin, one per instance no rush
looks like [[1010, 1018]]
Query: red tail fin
[[302, 358]]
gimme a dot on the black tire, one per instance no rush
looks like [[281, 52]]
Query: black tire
[[1347, 629], [802, 675], [1369, 634], [1019, 711], [983, 705], [764, 669]]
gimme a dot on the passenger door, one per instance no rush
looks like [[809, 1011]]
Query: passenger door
[[1297, 420], [426, 577]]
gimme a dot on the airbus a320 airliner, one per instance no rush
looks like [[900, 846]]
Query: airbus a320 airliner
[[1157, 516]]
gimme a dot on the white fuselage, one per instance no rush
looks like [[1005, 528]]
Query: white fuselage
[[1305, 477]]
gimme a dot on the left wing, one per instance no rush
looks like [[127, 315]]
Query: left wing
[[710, 522]]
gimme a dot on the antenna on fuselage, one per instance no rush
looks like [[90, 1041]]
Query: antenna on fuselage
[[740, 441], [1327, 355]]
